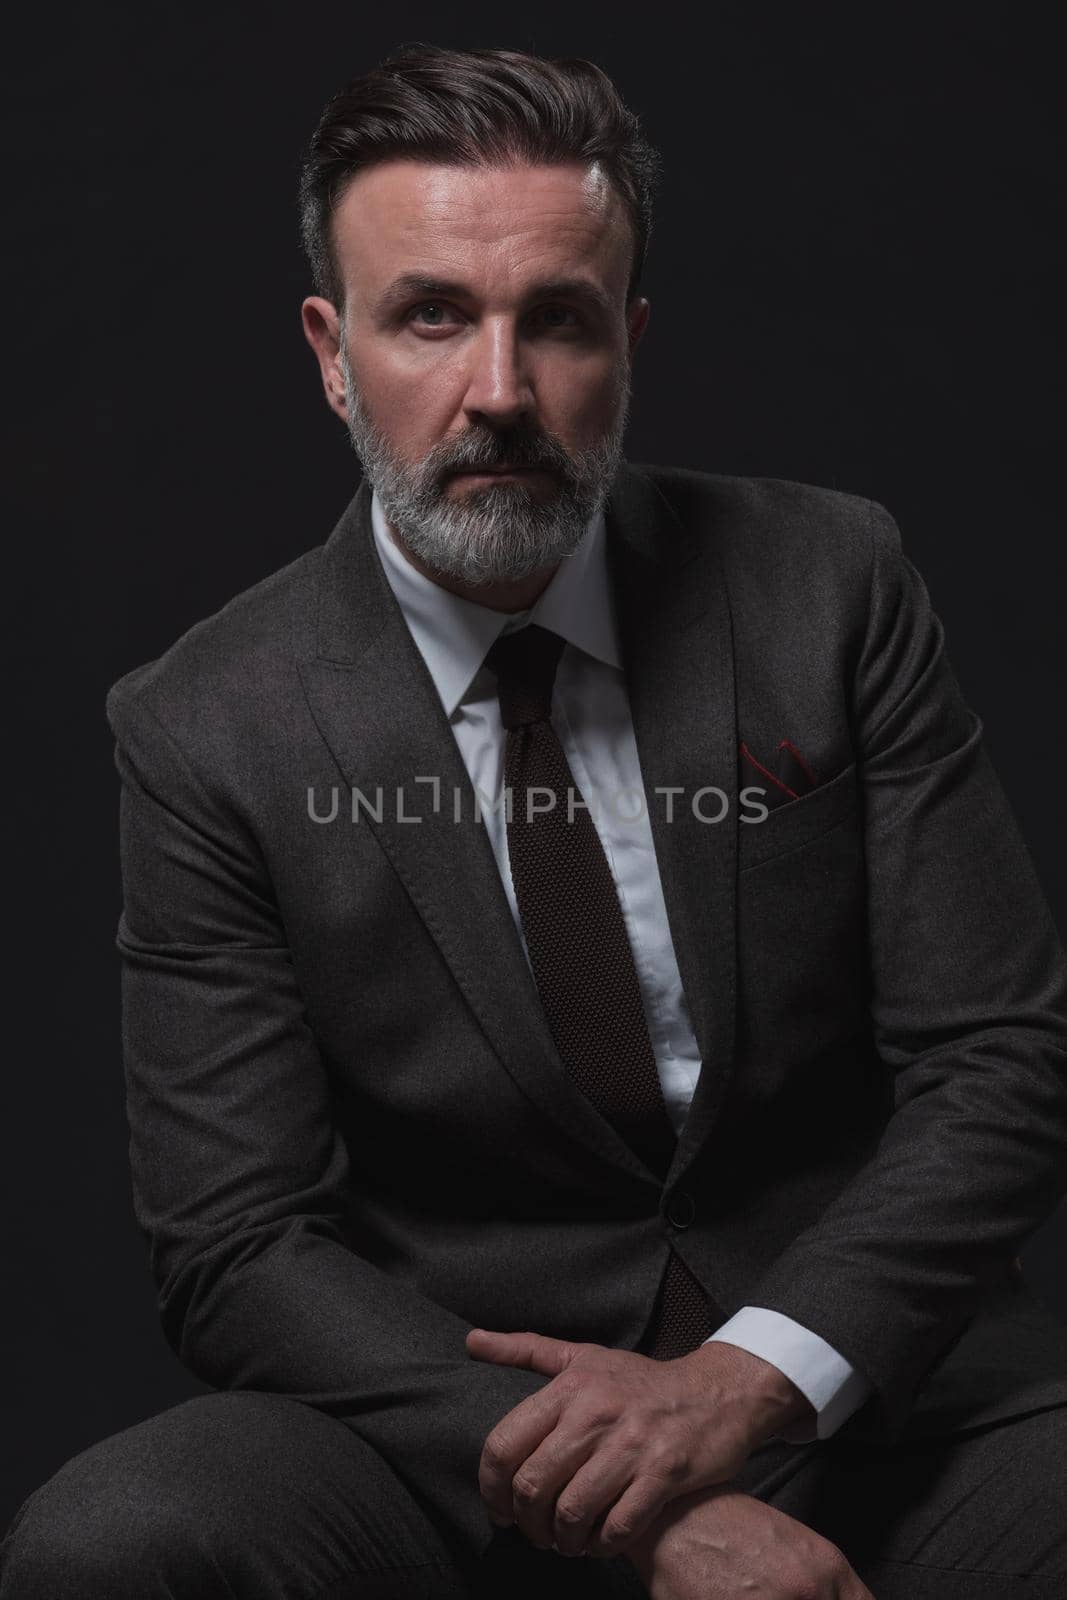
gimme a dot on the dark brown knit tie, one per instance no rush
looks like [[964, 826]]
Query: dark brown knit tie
[[580, 951]]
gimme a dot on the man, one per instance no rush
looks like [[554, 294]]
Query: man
[[644, 1177]]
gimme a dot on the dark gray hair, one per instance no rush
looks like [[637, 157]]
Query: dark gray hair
[[469, 108]]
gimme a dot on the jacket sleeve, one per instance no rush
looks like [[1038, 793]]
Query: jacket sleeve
[[238, 1169], [968, 1003]]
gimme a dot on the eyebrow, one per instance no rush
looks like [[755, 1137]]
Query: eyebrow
[[410, 284]]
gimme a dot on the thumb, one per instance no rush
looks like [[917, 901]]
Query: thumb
[[537, 1351]]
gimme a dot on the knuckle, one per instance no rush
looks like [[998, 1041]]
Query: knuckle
[[524, 1489], [826, 1566], [670, 1463], [837, 1563], [569, 1516], [493, 1454]]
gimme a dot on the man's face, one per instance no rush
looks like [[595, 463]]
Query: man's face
[[515, 351]]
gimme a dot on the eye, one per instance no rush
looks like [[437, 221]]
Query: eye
[[552, 313], [427, 305], [567, 312]]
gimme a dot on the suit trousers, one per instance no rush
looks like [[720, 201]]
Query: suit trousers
[[258, 1496]]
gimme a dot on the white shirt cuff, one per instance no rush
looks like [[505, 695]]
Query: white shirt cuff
[[831, 1383]]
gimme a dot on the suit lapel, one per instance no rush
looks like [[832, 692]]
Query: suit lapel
[[376, 707], [674, 622]]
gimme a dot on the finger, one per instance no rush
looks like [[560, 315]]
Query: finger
[[507, 1446], [634, 1511], [587, 1500], [538, 1351], [542, 1478]]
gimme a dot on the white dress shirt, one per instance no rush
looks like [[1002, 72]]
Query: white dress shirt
[[591, 717]]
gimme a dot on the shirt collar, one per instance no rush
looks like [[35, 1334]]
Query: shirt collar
[[454, 634]]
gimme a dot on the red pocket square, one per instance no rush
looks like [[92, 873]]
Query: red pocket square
[[791, 778]]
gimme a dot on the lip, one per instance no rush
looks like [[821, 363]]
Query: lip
[[501, 472]]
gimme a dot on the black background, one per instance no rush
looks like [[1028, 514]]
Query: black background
[[854, 274]]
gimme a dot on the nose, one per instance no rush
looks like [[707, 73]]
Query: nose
[[498, 387]]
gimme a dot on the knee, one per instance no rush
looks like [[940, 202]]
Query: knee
[[91, 1530], [134, 1515]]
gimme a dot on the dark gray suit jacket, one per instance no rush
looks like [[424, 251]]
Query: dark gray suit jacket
[[351, 1136]]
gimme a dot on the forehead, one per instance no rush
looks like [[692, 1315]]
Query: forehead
[[490, 223]]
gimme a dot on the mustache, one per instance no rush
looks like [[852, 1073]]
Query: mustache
[[504, 450]]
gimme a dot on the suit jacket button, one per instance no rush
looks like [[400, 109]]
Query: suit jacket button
[[681, 1209]]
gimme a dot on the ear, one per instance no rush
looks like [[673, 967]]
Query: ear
[[322, 330], [637, 321]]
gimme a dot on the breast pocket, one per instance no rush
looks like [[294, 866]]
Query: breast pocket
[[803, 976], [798, 822]]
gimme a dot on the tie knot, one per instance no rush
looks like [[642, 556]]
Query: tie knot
[[525, 666]]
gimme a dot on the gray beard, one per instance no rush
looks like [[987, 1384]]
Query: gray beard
[[499, 531]]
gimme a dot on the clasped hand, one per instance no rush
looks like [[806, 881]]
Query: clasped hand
[[616, 1435]]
